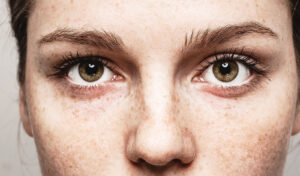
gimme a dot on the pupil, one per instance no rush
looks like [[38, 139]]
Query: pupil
[[225, 68], [91, 69]]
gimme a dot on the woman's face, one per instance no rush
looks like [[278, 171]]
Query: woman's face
[[151, 87]]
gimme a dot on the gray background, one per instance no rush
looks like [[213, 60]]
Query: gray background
[[18, 155]]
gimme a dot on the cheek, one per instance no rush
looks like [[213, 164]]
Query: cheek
[[229, 142], [248, 134], [73, 135]]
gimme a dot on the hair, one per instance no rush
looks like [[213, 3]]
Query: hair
[[295, 4], [20, 11]]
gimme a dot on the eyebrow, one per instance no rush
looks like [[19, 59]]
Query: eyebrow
[[95, 38], [195, 40], [225, 34]]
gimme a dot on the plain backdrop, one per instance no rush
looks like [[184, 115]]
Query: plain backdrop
[[17, 151]]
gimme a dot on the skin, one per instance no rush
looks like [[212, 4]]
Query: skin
[[156, 120]]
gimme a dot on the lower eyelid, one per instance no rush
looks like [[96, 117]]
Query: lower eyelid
[[227, 92], [86, 92], [254, 82]]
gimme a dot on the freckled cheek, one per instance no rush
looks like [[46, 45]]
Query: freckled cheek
[[242, 135], [54, 110], [93, 109], [253, 151], [71, 133], [76, 152], [237, 145], [60, 113]]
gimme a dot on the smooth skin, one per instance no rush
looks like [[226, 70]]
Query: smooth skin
[[158, 117]]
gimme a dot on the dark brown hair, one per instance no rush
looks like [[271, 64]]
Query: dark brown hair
[[20, 10]]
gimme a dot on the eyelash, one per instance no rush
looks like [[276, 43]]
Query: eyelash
[[236, 55], [70, 60]]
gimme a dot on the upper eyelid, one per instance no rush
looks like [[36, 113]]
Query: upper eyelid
[[227, 56], [68, 61], [235, 57], [248, 60], [84, 58]]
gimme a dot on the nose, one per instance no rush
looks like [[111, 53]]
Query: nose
[[159, 138], [159, 143]]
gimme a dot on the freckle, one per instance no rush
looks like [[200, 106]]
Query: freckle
[[177, 111], [228, 107], [74, 112], [53, 7], [185, 131], [106, 98], [71, 1], [68, 20], [226, 115], [131, 109], [43, 109], [174, 98], [256, 4]]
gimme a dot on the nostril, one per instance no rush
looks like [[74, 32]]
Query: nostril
[[158, 159], [159, 156], [159, 168], [153, 158]]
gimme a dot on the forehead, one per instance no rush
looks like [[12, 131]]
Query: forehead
[[158, 8], [154, 18]]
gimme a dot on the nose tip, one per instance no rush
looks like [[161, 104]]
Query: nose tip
[[159, 147], [153, 153]]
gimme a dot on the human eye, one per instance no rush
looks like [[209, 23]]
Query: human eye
[[87, 71], [230, 73]]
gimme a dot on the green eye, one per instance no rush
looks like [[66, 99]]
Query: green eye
[[225, 71], [91, 71]]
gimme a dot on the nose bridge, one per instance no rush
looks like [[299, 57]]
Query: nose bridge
[[157, 91], [158, 132], [158, 138]]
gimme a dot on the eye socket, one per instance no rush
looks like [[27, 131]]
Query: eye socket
[[90, 73]]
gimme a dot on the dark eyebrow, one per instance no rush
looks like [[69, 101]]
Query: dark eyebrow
[[102, 39], [224, 34]]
